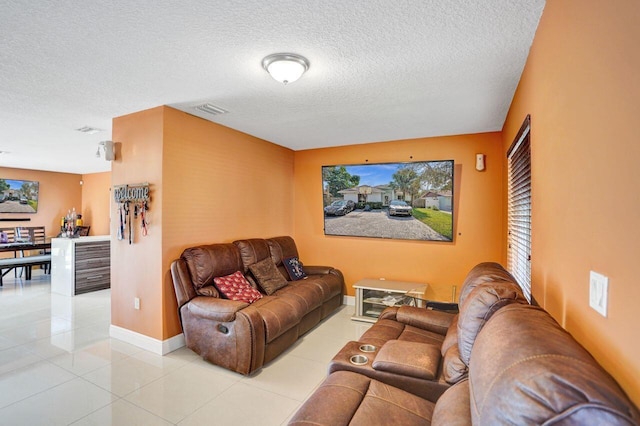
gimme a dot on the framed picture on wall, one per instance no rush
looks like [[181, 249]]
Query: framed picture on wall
[[407, 201], [18, 196]]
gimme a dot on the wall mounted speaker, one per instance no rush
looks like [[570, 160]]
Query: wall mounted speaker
[[109, 153]]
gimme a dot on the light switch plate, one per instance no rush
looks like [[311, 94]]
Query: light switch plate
[[598, 292]]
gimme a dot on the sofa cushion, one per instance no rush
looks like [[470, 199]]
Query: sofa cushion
[[294, 268], [236, 287], [413, 359], [268, 277], [453, 369], [309, 297], [329, 284], [279, 315], [525, 366], [478, 307], [347, 398], [386, 329]]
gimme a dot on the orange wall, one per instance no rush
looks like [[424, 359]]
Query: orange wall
[[477, 214], [136, 269], [58, 192], [96, 209], [219, 185], [209, 184], [581, 88]]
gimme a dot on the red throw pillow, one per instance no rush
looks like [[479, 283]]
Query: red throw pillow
[[236, 287]]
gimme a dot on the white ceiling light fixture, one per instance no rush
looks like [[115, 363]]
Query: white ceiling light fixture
[[285, 67]]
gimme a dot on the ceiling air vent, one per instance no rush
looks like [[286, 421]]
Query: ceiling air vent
[[89, 130], [211, 109]]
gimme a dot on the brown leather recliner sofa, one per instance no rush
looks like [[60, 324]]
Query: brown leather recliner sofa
[[242, 336], [426, 351], [509, 363]]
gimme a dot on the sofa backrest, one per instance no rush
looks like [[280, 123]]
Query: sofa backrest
[[252, 251], [209, 261], [282, 248], [482, 273], [198, 266], [526, 369], [480, 305]]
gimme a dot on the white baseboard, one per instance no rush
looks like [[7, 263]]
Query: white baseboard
[[349, 300], [160, 347]]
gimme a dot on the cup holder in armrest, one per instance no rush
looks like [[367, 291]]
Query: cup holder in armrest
[[359, 360], [367, 348], [223, 329]]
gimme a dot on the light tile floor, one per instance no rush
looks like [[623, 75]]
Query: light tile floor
[[58, 366]]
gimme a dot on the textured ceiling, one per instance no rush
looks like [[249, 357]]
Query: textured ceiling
[[380, 69]]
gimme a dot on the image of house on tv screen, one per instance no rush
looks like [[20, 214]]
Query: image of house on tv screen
[[18, 196], [410, 201]]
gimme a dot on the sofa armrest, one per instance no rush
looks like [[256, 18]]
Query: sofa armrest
[[452, 308], [213, 308], [319, 270], [425, 319], [225, 332], [414, 359], [182, 282]]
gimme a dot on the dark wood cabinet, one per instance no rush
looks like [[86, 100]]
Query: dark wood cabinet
[[92, 266]]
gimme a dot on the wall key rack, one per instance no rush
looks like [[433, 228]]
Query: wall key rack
[[132, 200]]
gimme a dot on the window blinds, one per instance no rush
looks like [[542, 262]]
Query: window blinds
[[519, 209]]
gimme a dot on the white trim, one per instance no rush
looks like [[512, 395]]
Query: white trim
[[160, 347], [349, 300]]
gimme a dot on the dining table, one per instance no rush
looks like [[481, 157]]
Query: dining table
[[19, 248], [22, 246]]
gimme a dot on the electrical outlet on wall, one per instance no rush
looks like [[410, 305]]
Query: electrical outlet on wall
[[598, 292], [136, 303]]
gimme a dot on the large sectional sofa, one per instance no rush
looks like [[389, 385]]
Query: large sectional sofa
[[499, 361], [242, 336]]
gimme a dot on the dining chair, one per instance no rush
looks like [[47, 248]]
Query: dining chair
[[9, 233], [83, 231]]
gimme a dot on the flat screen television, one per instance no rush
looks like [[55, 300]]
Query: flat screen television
[[18, 196], [409, 201]]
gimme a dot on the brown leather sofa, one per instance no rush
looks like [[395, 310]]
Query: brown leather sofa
[[426, 351], [515, 365], [239, 336]]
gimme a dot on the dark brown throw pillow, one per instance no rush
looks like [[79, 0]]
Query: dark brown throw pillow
[[269, 278]]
